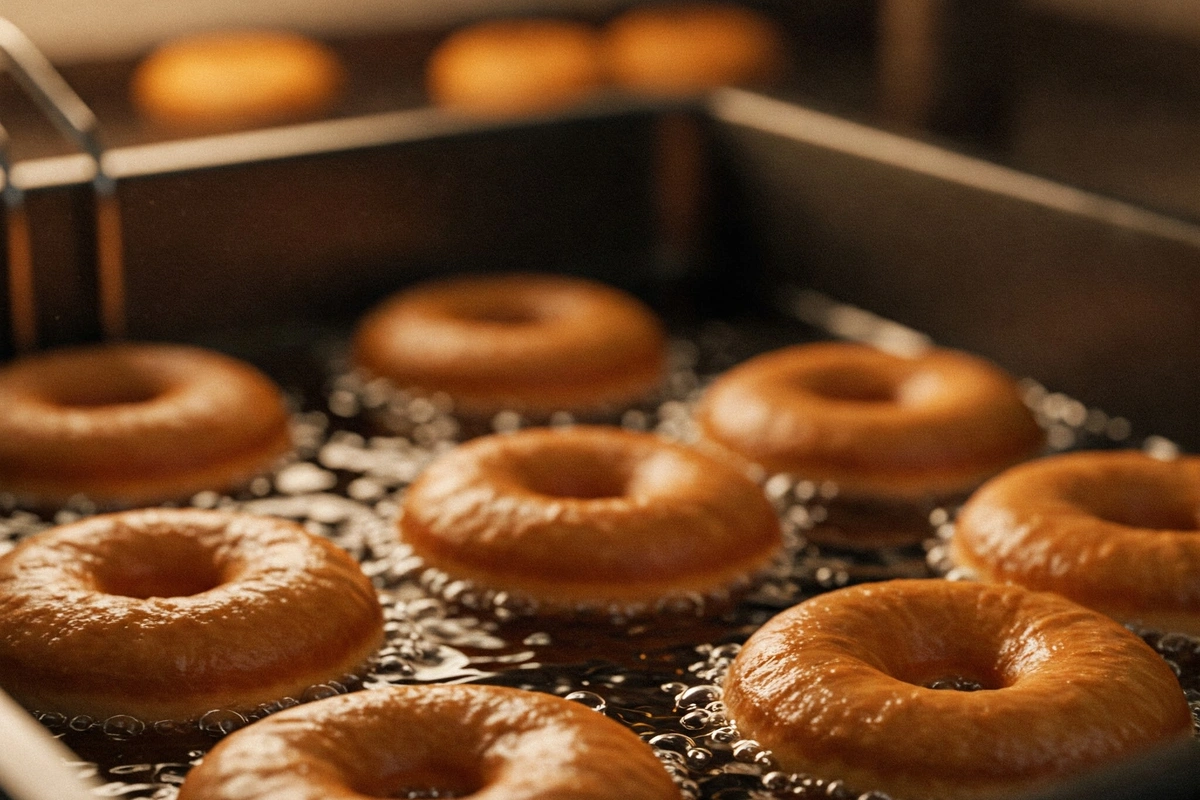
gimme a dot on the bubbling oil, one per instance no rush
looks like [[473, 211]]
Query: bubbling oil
[[657, 671]]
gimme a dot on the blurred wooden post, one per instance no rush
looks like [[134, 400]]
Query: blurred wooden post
[[907, 55], [948, 67]]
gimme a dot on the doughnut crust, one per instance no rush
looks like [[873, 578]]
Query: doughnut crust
[[485, 742], [838, 687], [170, 613], [236, 79], [589, 517], [878, 425], [515, 66], [135, 424], [1114, 530], [530, 343], [680, 49]]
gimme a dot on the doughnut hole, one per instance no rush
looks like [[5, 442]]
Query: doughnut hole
[[1138, 502], [163, 566], [576, 475], [929, 649], [850, 384], [935, 661], [432, 778], [121, 384], [500, 311], [92, 396]]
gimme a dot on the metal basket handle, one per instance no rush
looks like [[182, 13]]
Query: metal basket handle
[[59, 102]]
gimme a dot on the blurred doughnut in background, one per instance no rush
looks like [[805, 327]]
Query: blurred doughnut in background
[[682, 49], [232, 80], [515, 66]]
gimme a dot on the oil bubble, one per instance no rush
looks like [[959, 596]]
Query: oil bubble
[[221, 721], [746, 750], [698, 758], [674, 742], [319, 692], [52, 719], [697, 697], [589, 699], [726, 735], [777, 781], [123, 726]]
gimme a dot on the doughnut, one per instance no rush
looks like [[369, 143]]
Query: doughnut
[[135, 424], [1112, 530], [944, 689], [687, 48], [170, 613], [878, 425], [515, 66], [530, 343], [589, 517], [486, 742], [236, 79]]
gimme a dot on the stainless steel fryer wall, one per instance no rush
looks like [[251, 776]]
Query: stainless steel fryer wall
[[308, 226], [1093, 297]]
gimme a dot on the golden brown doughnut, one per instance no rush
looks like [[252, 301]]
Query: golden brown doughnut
[[839, 687], [485, 742], [689, 47], [1116, 531], [236, 79], [135, 424], [515, 66], [170, 613], [589, 517], [530, 343], [876, 424]]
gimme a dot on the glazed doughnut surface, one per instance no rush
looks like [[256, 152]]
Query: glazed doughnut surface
[[839, 687], [485, 742], [589, 517], [135, 424], [170, 613], [1113, 530], [876, 424], [530, 343]]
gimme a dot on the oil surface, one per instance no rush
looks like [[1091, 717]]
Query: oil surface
[[362, 443]]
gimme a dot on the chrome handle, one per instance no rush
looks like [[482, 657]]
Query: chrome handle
[[59, 102]]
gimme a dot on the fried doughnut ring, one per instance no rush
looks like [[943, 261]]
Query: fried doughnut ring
[[589, 517], [1112, 530], [878, 425], [840, 686], [485, 742], [135, 424], [530, 343], [170, 613]]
